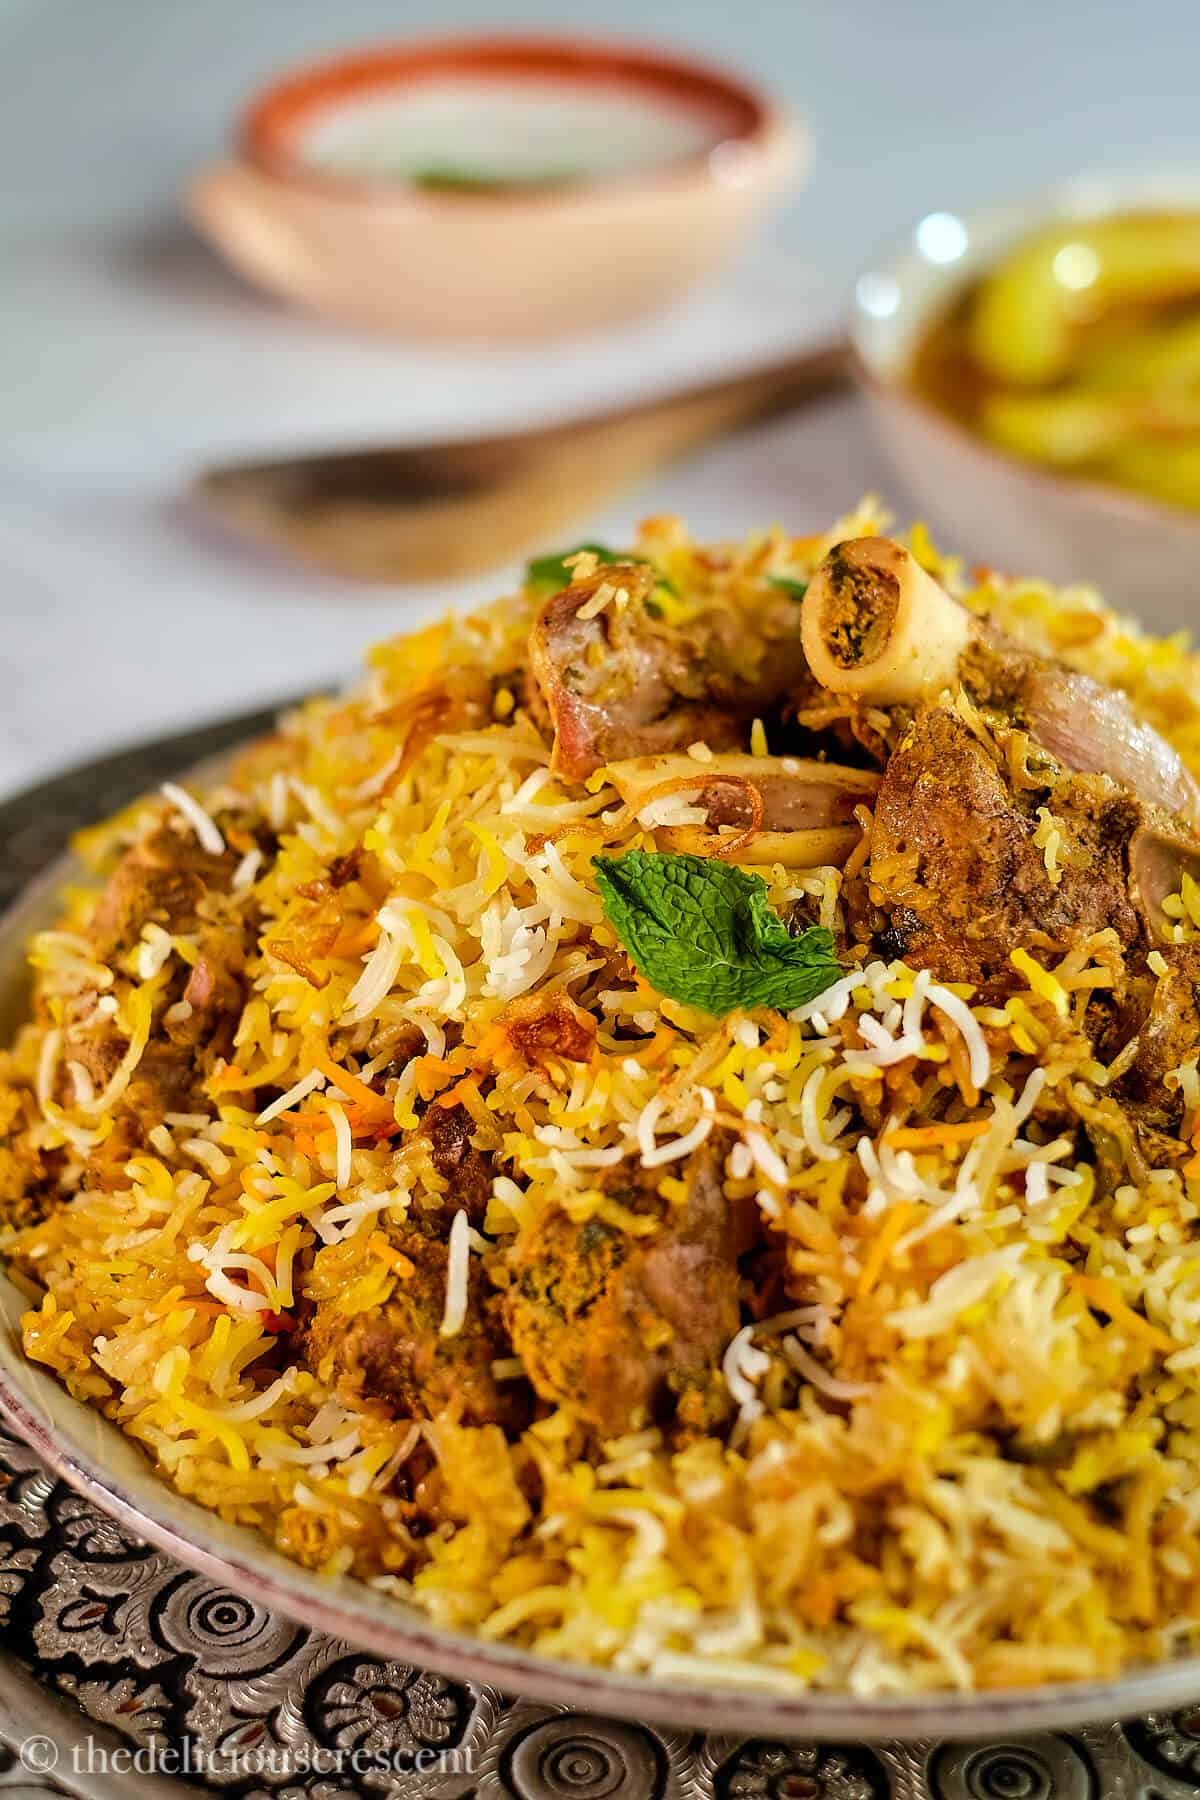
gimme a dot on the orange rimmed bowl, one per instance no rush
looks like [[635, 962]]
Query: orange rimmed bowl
[[495, 188]]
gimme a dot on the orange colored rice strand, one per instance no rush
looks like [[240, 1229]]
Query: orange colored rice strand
[[860, 855], [433, 1073], [395, 1259], [456, 1095], [1102, 1292], [934, 1137], [349, 1084], [353, 940], [885, 1238], [653, 1052], [373, 1122]]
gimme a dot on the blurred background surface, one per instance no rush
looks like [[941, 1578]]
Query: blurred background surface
[[129, 355]]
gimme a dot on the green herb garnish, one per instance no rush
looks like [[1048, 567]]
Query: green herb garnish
[[453, 178], [549, 573], [701, 931], [797, 589]]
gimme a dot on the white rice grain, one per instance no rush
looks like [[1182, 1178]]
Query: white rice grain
[[247, 870], [297, 1092], [207, 834], [960, 1014], [343, 1167], [457, 1275], [807, 1365]]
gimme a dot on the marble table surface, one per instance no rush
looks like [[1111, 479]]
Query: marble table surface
[[129, 356]]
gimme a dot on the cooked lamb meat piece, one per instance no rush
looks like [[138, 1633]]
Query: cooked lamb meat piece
[[956, 868], [467, 1172], [1169, 1032], [165, 879], [161, 881], [620, 1326], [1161, 853], [623, 683], [215, 993], [1082, 723], [167, 1079], [394, 1360]]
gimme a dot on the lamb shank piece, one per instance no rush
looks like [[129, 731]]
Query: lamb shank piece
[[1082, 723], [878, 627], [957, 863]]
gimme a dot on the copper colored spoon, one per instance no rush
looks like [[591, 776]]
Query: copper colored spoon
[[428, 512]]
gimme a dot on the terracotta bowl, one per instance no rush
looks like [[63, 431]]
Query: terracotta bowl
[[1013, 514], [89, 1451], [681, 161]]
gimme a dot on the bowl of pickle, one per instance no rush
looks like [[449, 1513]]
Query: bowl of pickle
[[1034, 370]]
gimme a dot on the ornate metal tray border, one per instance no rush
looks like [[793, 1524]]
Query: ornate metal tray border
[[122, 1673]]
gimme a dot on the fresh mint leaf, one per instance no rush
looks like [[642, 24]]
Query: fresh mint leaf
[[703, 932], [797, 589], [547, 574], [551, 572]]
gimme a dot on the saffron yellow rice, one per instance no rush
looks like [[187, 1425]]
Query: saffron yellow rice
[[994, 1368]]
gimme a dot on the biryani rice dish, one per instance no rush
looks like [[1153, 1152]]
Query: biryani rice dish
[[664, 1127]]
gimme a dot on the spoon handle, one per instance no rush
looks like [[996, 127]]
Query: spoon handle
[[431, 512]]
